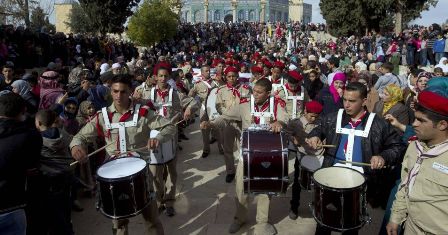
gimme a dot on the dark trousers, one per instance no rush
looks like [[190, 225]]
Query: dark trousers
[[320, 230], [296, 189]]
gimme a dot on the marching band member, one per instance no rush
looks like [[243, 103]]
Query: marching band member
[[167, 103], [276, 75], [293, 93], [299, 128], [228, 100], [421, 200], [201, 89], [135, 135], [257, 73], [359, 136]]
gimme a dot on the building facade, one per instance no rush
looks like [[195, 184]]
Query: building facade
[[300, 11], [196, 11], [62, 10]]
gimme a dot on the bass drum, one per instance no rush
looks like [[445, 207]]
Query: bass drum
[[123, 187], [210, 104], [339, 195], [265, 162]]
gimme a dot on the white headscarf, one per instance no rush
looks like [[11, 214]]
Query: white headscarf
[[444, 67], [22, 87]]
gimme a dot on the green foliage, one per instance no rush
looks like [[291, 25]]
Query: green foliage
[[39, 19], [152, 22], [109, 16], [79, 22], [347, 17]]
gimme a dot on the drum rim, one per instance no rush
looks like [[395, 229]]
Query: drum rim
[[125, 216], [100, 178], [206, 100], [338, 189]]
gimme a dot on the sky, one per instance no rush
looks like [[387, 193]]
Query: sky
[[436, 14]]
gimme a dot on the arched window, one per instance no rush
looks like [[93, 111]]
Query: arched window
[[241, 16], [251, 15], [217, 16]]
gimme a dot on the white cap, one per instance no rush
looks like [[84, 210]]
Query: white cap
[[292, 67], [116, 66], [104, 68]]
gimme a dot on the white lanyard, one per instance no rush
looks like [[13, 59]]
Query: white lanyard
[[294, 101], [351, 134], [162, 104], [262, 115], [207, 84], [121, 126]]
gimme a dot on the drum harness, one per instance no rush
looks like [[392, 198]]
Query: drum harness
[[162, 105], [351, 137], [295, 99], [261, 114]]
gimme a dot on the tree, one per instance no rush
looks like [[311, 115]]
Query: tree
[[39, 19], [152, 22], [79, 22], [346, 17], [108, 16], [18, 10]]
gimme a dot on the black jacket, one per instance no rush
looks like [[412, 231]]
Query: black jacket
[[326, 99], [20, 149], [383, 140]]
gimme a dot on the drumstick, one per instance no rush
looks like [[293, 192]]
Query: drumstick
[[326, 146], [93, 153], [177, 123], [359, 163]]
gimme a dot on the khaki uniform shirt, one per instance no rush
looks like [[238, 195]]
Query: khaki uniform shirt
[[136, 137], [281, 114], [145, 90], [200, 89], [427, 204], [173, 112], [227, 104], [289, 102]]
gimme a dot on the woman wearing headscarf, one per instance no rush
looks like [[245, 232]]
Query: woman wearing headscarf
[[443, 64], [23, 88], [331, 97], [85, 113], [392, 103]]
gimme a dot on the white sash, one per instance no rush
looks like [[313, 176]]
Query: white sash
[[262, 115], [351, 137], [121, 126], [295, 99], [161, 105]]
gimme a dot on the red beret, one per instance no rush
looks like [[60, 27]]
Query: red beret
[[313, 107], [162, 64], [231, 69], [256, 69], [296, 75], [229, 62], [434, 102], [279, 64], [267, 63]]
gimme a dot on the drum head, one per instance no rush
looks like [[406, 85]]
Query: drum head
[[121, 167], [339, 177], [311, 163], [210, 104]]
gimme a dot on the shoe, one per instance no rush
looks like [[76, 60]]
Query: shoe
[[229, 178], [235, 226], [183, 136], [293, 215], [213, 140], [265, 228], [76, 206], [170, 211], [205, 154]]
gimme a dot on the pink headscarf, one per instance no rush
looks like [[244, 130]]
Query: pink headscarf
[[333, 91]]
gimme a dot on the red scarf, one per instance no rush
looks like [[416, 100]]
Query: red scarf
[[234, 90], [276, 81], [162, 95], [181, 86], [265, 106]]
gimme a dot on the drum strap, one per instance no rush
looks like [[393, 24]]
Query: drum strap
[[295, 99], [262, 114], [121, 126], [351, 134], [162, 106]]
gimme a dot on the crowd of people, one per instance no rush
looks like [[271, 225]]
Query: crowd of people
[[379, 100]]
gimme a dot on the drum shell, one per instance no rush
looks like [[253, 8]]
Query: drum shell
[[339, 208], [124, 197], [305, 178], [265, 162]]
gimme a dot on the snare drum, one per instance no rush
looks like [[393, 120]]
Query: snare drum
[[123, 187], [210, 104], [308, 165], [265, 162], [339, 195], [164, 153]]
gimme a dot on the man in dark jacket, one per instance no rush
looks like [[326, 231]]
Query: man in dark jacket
[[20, 150], [359, 137]]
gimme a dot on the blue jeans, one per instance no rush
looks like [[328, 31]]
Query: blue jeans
[[13, 223], [424, 57], [439, 56]]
